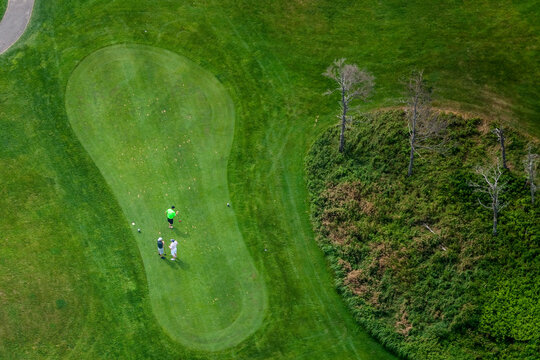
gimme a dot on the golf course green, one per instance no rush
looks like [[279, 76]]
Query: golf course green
[[111, 111], [160, 129]]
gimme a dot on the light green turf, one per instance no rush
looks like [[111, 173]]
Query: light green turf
[[160, 129]]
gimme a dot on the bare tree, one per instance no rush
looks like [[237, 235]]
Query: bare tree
[[499, 132], [492, 186], [531, 164], [352, 83], [423, 123]]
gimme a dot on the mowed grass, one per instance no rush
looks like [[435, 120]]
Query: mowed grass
[[3, 5], [160, 130], [72, 278]]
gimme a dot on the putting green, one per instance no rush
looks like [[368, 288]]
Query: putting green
[[160, 129]]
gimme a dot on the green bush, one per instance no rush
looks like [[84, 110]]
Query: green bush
[[414, 256], [512, 310]]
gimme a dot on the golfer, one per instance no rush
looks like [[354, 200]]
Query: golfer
[[160, 250], [171, 213], [173, 245]]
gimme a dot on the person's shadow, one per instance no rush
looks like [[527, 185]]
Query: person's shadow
[[178, 263]]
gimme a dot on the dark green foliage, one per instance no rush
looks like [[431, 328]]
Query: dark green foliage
[[414, 256]]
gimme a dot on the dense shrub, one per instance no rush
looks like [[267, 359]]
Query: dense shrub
[[513, 309], [414, 256]]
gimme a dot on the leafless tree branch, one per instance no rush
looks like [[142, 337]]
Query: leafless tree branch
[[499, 132], [492, 186], [352, 83], [430, 230], [423, 123]]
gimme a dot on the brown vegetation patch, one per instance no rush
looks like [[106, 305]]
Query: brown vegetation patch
[[385, 257], [374, 299], [363, 286], [345, 265], [349, 196], [484, 127], [344, 204], [402, 325], [366, 207], [356, 281], [338, 233], [367, 283]]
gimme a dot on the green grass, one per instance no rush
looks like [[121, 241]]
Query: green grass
[[160, 128], [73, 260], [3, 5]]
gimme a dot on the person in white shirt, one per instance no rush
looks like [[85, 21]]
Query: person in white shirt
[[173, 245]]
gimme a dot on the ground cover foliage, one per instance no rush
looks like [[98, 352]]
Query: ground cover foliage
[[414, 256], [72, 281]]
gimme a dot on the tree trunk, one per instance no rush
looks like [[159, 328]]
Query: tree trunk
[[532, 192], [411, 159], [342, 136], [495, 222], [343, 121]]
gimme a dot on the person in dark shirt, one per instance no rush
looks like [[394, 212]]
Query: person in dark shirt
[[160, 249]]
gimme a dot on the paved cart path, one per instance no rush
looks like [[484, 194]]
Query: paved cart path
[[14, 22]]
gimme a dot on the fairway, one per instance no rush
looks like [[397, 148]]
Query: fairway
[[160, 129]]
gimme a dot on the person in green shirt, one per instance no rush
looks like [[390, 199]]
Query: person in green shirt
[[171, 213]]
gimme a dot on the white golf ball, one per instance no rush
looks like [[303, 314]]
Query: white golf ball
[[132, 223]]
